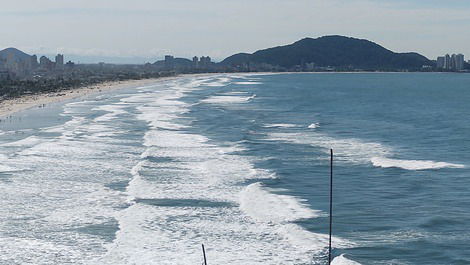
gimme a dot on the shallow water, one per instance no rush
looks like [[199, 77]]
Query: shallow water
[[240, 163]]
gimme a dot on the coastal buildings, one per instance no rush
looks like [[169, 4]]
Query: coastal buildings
[[205, 61], [454, 62], [196, 64], [16, 64]]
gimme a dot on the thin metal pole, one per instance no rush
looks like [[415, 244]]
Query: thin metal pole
[[331, 204], [204, 253]]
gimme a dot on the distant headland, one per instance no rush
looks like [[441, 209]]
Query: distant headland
[[328, 53]]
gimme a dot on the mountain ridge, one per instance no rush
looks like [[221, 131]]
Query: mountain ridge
[[15, 53], [333, 51]]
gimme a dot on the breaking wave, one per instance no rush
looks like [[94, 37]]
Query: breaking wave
[[342, 260], [260, 203], [411, 164], [314, 126], [228, 99], [280, 125]]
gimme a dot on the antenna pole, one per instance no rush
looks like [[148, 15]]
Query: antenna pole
[[331, 204], [204, 253]]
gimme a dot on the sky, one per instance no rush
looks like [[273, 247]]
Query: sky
[[146, 30]]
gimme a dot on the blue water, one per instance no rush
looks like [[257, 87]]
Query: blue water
[[240, 163]]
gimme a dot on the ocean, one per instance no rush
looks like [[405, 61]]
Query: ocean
[[240, 163]]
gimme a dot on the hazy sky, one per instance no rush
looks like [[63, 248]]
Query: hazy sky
[[152, 28]]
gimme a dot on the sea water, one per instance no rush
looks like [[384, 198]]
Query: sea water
[[240, 163]]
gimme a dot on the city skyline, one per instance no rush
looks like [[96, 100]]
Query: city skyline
[[148, 30]]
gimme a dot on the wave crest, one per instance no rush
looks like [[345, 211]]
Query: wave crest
[[226, 99], [412, 164], [342, 260], [314, 126], [262, 205]]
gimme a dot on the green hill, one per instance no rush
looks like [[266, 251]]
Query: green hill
[[332, 51], [14, 54]]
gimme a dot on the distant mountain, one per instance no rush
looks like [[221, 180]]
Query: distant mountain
[[14, 53], [333, 51]]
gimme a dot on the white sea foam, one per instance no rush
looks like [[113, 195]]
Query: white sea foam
[[239, 76], [223, 81], [148, 233], [60, 193], [4, 168], [114, 111], [253, 219], [66, 192], [342, 260], [161, 117], [302, 238], [17, 250], [280, 125], [29, 141], [173, 139], [236, 93], [76, 108], [227, 99], [211, 82], [66, 127], [110, 108], [348, 149], [314, 125], [263, 205], [412, 164]]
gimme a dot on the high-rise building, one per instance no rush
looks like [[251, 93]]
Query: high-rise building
[[447, 64], [59, 60], [34, 61], [195, 61], [45, 63], [453, 61], [459, 62], [440, 63], [205, 61]]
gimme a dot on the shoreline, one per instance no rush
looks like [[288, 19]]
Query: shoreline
[[11, 106]]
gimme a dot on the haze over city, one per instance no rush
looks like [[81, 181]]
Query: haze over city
[[145, 30]]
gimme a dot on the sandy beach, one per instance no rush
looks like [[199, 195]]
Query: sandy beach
[[11, 106]]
